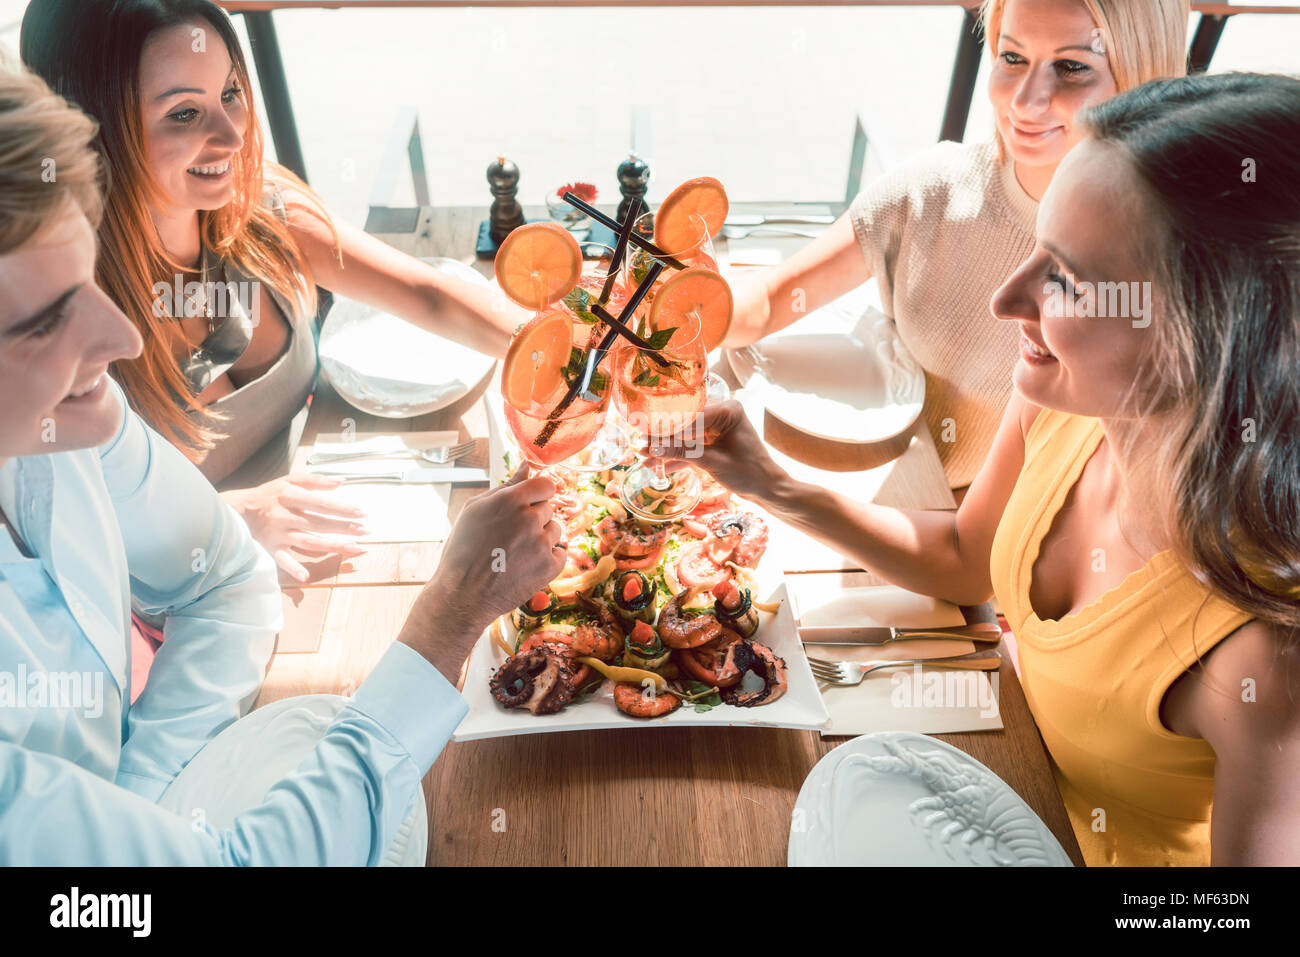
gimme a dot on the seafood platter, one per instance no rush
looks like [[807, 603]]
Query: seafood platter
[[662, 614], [649, 624]]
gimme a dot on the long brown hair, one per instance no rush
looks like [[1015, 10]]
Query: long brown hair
[[1218, 156], [89, 51]]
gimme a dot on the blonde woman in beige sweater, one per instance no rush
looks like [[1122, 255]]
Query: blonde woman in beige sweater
[[942, 233]]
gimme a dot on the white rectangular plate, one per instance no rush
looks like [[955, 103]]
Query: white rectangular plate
[[800, 707]]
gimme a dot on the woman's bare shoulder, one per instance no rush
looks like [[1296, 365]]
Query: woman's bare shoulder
[[1249, 688]]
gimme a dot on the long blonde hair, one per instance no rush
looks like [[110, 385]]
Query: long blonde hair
[[1144, 39], [89, 50]]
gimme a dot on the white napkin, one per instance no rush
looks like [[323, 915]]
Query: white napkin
[[910, 698], [400, 513], [393, 513], [820, 601]]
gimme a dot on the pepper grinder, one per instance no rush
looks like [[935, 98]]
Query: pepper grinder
[[506, 214], [633, 179]]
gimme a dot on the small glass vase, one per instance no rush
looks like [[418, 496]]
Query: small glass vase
[[570, 217]]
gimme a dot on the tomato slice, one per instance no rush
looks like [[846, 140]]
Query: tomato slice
[[626, 564], [696, 567], [544, 637], [708, 663], [539, 601], [642, 634]]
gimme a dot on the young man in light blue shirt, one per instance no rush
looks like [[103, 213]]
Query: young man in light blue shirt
[[98, 512]]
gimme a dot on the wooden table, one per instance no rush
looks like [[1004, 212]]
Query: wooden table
[[660, 796]]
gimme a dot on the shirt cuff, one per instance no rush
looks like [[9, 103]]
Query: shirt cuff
[[151, 789], [413, 702]]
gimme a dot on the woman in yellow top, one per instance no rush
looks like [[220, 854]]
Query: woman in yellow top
[[1138, 515]]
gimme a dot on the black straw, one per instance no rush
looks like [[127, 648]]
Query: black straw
[[616, 327], [620, 249], [616, 226]]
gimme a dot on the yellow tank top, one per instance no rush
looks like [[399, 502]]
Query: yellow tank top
[[1137, 794]]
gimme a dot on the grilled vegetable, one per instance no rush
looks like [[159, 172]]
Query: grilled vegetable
[[534, 611], [735, 609], [642, 648], [634, 597], [633, 675]]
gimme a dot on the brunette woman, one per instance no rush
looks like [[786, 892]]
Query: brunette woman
[[1138, 516], [192, 201]]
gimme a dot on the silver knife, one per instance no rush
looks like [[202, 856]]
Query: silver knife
[[413, 476], [744, 219], [982, 631]]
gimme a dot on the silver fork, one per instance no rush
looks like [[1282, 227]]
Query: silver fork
[[439, 456], [852, 672]]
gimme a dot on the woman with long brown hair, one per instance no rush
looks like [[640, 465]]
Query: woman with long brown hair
[[191, 200], [1138, 516]]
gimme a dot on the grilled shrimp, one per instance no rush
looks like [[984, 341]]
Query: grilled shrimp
[[678, 630], [634, 700], [602, 638]]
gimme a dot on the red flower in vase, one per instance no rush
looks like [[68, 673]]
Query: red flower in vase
[[584, 191]]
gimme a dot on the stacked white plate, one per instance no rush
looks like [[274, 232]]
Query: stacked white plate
[[385, 366], [896, 798], [839, 373]]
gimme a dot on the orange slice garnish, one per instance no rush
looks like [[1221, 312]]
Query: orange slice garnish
[[697, 206], [538, 264], [696, 293], [533, 368]]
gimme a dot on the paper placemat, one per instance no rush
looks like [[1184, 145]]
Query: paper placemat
[[394, 513], [821, 600], [399, 513], [910, 698]]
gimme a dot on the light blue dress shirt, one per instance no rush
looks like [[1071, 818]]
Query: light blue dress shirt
[[80, 767]]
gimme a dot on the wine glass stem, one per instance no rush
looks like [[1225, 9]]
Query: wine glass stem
[[661, 480]]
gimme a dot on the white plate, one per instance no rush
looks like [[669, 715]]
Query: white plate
[[800, 707], [839, 373], [385, 366], [895, 798], [236, 769]]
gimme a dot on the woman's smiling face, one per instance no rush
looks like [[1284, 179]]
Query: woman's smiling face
[[1050, 63], [193, 116], [1078, 352]]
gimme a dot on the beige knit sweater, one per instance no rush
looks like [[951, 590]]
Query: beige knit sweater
[[941, 234]]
